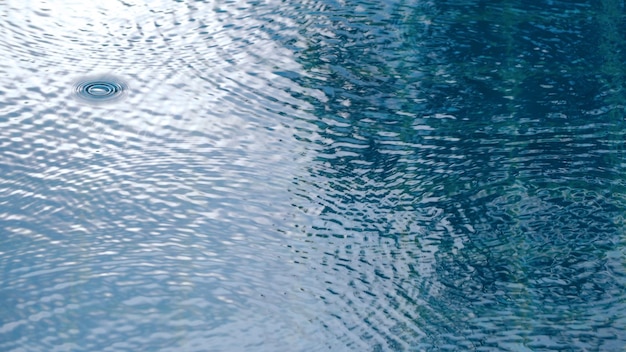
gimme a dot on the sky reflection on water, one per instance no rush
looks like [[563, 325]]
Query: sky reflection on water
[[313, 175]]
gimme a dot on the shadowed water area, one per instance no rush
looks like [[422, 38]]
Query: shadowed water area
[[312, 175]]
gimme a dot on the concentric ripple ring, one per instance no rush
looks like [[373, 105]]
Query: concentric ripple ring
[[101, 89]]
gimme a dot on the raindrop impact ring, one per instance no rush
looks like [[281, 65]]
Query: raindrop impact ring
[[100, 89]]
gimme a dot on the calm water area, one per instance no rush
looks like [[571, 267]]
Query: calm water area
[[312, 175]]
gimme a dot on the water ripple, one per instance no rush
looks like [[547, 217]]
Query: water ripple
[[312, 176], [153, 222], [471, 187], [101, 89]]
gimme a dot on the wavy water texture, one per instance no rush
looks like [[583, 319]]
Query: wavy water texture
[[151, 222], [468, 175], [313, 175]]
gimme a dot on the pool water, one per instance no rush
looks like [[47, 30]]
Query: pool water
[[312, 175]]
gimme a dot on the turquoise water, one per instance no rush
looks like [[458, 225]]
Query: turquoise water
[[308, 176]]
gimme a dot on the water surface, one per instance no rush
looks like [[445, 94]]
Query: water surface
[[318, 175]]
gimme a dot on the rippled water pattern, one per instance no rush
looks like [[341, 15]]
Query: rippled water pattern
[[312, 175], [101, 89]]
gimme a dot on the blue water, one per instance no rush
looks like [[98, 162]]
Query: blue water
[[308, 176]]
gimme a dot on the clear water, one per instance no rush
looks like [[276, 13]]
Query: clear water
[[312, 175]]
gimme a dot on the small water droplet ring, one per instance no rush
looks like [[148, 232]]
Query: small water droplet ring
[[101, 89]]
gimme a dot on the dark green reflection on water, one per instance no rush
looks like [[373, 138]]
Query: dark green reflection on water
[[470, 172]]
